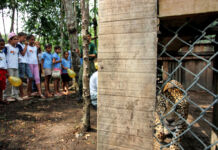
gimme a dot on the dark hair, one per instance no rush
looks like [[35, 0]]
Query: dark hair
[[65, 52], [29, 36], [2, 40], [57, 47], [48, 45], [89, 34], [22, 34]]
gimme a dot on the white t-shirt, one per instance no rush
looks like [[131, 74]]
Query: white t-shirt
[[12, 56], [32, 55], [3, 64], [93, 83], [21, 58]]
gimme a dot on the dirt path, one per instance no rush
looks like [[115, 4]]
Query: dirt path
[[45, 125]]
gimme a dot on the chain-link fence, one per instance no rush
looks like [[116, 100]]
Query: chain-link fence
[[187, 83]]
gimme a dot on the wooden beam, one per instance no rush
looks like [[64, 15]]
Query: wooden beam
[[169, 8]]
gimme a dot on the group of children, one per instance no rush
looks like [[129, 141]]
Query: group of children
[[22, 56]]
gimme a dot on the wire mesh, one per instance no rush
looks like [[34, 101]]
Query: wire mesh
[[186, 94]]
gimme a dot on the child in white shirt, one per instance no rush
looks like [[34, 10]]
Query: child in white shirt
[[11, 51]]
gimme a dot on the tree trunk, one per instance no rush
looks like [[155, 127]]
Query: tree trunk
[[12, 17], [95, 21], [71, 23], [72, 30], [62, 27], [3, 21], [17, 19], [86, 67]]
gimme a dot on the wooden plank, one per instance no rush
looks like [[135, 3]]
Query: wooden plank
[[169, 8], [127, 74], [126, 10], [165, 70]]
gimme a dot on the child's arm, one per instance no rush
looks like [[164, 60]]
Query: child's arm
[[23, 52], [64, 67], [42, 62], [54, 61]]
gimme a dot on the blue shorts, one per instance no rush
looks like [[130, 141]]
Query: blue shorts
[[24, 69]]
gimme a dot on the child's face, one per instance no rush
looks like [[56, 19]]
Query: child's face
[[2, 45], [32, 40], [22, 38], [66, 55], [14, 40], [58, 50], [48, 49], [37, 44]]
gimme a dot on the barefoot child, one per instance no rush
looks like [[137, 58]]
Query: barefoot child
[[57, 68], [65, 77], [23, 65], [3, 71], [33, 62], [47, 66]]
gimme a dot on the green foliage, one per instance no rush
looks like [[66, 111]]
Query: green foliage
[[43, 19]]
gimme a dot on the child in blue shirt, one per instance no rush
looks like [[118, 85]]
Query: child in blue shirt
[[65, 77], [46, 63], [57, 68]]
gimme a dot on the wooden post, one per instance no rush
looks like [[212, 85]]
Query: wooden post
[[127, 74]]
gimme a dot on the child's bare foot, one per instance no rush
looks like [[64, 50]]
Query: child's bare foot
[[48, 95]]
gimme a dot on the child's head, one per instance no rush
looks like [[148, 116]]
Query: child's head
[[48, 47], [22, 37], [57, 49], [12, 39], [66, 54], [2, 43], [89, 36], [31, 39], [37, 44]]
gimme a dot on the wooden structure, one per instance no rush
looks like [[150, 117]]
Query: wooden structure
[[127, 64], [127, 74], [191, 63]]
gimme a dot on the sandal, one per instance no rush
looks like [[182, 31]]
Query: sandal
[[26, 97], [10, 99], [34, 94]]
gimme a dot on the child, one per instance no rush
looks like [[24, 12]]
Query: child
[[3, 71], [39, 52], [23, 65], [57, 68], [47, 66], [65, 77], [11, 51], [33, 62]]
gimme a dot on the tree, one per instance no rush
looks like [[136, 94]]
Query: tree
[[71, 23], [86, 94], [95, 24], [13, 8]]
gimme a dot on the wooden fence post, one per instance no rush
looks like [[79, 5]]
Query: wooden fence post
[[127, 59]]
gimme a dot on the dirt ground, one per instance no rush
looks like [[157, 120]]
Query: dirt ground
[[201, 128], [52, 124], [49, 124]]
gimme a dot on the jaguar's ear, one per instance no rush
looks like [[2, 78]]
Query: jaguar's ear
[[172, 84]]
